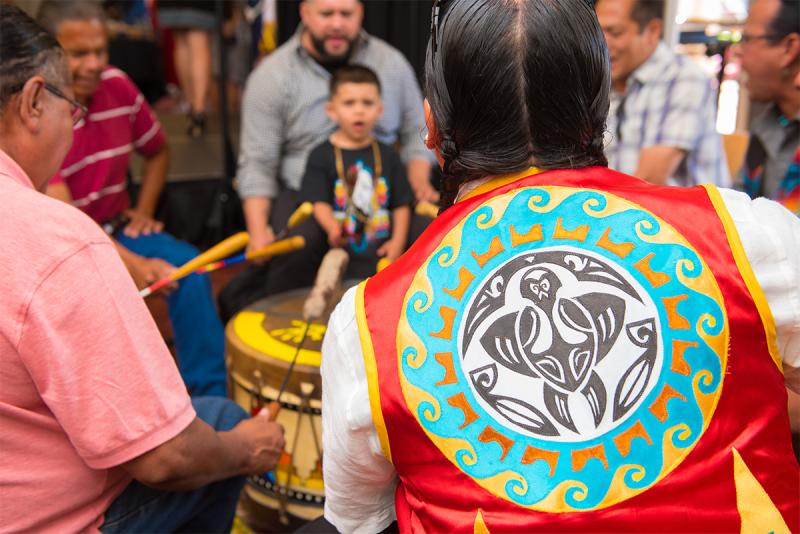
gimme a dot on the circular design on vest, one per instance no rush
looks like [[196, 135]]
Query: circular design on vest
[[572, 331], [563, 347]]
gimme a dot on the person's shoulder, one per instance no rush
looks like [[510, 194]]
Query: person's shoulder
[[114, 79], [685, 68], [56, 225], [761, 215], [377, 48], [278, 63], [322, 150]]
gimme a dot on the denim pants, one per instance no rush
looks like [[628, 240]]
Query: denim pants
[[199, 336], [207, 509]]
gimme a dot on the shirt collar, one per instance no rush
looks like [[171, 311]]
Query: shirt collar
[[10, 168], [654, 66], [765, 121], [474, 188]]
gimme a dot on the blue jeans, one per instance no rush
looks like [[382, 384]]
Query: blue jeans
[[207, 509], [199, 336]]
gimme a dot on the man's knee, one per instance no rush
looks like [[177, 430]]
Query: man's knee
[[178, 252]]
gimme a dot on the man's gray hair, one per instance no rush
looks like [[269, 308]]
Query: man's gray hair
[[53, 12]]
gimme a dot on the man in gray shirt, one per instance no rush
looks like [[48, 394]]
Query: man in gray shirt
[[770, 54], [283, 119]]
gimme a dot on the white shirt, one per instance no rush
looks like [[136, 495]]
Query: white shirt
[[360, 482]]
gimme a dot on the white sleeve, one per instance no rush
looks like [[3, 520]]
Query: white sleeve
[[770, 236], [359, 481]]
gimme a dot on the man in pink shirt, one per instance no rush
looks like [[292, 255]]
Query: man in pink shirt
[[98, 431], [93, 178]]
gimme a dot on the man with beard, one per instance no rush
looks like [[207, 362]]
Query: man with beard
[[283, 118]]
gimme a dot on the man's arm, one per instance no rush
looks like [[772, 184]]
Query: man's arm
[[112, 385], [419, 173], [658, 163], [259, 155], [256, 216], [154, 177], [359, 481], [412, 149], [200, 455]]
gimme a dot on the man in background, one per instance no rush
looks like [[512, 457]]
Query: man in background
[[283, 118], [93, 178], [662, 119], [770, 55]]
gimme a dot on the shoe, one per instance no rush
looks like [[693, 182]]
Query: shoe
[[197, 125]]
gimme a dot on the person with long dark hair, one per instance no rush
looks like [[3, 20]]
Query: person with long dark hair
[[565, 347]]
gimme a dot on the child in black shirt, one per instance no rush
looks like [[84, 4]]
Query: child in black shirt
[[358, 186]]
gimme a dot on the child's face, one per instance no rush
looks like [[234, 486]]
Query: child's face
[[355, 107]]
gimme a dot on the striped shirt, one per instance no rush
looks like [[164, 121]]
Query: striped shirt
[[95, 169], [283, 113], [669, 101]]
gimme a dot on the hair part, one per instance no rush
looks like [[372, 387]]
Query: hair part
[[27, 50], [516, 83], [353, 74], [53, 12]]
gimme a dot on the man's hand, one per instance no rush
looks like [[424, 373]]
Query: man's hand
[[145, 271], [260, 239], [392, 249], [141, 224], [424, 192], [264, 440], [335, 238]]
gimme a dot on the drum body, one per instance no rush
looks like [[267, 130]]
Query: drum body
[[261, 342]]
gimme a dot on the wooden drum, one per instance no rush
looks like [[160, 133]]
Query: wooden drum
[[261, 342]]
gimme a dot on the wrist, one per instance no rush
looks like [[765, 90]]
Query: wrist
[[237, 450]]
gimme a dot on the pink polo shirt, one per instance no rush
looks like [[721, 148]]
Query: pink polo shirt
[[95, 168], [86, 382]]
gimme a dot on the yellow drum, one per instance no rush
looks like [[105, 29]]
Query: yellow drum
[[261, 342]]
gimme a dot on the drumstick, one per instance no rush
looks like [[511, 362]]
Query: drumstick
[[222, 249], [303, 212], [427, 209], [277, 248], [299, 216], [382, 264], [329, 276]]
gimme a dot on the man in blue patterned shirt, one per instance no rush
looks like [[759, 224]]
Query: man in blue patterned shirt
[[661, 125]]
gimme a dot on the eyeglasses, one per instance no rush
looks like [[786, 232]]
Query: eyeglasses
[[747, 38], [79, 111], [436, 23]]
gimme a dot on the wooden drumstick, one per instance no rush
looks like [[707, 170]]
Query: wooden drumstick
[[299, 216], [427, 209], [220, 250], [328, 279], [277, 248], [382, 264]]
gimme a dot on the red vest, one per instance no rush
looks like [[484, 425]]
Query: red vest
[[579, 350]]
